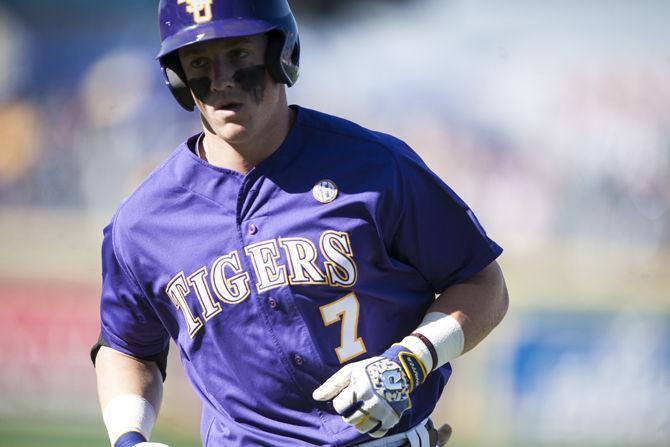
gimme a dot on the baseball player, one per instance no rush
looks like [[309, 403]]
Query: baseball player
[[316, 276]]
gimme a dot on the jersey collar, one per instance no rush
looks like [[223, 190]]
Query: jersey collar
[[221, 184]]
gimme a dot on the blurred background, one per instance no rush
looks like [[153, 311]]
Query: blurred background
[[551, 119]]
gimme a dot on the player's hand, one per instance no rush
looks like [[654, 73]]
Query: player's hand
[[150, 444], [371, 395]]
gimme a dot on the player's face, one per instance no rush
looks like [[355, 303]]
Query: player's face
[[231, 86]]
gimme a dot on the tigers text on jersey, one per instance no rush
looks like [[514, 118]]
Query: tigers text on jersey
[[327, 252]]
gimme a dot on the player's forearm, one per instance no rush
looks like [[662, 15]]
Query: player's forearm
[[478, 304], [130, 392], [119, 374]]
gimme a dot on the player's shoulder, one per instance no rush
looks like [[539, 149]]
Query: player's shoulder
[[154, 193], [353, 137]]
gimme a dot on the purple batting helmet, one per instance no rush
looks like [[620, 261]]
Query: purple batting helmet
[[185, 22]]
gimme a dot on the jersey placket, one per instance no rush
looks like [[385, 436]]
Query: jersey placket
[[252, 230], [283, 322]]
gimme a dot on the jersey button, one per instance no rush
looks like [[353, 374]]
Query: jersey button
[[298, 360], [253, 229], [272, 302]]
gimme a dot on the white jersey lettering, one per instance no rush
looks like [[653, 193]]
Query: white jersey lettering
[[231, 290], [301, 254], [264, 257], [340, 266]]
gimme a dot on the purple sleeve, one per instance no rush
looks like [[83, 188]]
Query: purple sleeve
[[128, 323], [435, 231]]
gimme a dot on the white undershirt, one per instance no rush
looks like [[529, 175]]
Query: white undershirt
[[199, 152]]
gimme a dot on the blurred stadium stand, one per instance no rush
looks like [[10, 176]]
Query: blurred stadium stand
[[328, 8], [552, 119]]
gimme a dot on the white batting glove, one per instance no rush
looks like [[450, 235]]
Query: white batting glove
[[151, 444], [372, 395]]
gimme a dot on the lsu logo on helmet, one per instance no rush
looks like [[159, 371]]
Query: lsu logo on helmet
[[200, 9]]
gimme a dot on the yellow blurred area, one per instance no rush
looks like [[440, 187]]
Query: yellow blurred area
[[21, 137]]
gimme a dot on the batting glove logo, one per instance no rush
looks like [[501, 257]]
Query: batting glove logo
[[388, 380]]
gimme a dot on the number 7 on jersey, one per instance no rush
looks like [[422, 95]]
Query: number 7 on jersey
[[345, 309]]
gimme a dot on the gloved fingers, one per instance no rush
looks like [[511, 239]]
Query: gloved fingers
[[368, 424], [354, 414], [379, 433], [334, 385], [346, 402], [356, 417], [380, 410]]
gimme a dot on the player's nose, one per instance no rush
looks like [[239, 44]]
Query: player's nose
[[223, 75]]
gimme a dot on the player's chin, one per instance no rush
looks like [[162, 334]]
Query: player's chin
[[232, 132]]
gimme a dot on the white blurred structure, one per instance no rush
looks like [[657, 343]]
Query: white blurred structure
[[576, 96]]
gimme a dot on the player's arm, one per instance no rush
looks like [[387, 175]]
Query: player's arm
[[477, 305], [130, 392], [372, 394]]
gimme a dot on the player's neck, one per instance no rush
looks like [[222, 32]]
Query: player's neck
[[243, 156]]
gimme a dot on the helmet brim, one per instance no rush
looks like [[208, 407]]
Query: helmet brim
[[218, 29]]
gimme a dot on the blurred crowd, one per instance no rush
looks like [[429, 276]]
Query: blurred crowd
[[551, 119], [553, 122]]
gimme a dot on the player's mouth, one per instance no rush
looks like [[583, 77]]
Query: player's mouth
[[229, 106]]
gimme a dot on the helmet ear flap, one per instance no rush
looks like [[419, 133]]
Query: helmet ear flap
[[273, 56], [292, 68], [282, 67], [176, 82]]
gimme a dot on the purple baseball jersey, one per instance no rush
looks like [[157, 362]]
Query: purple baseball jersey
[[327, 252]]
